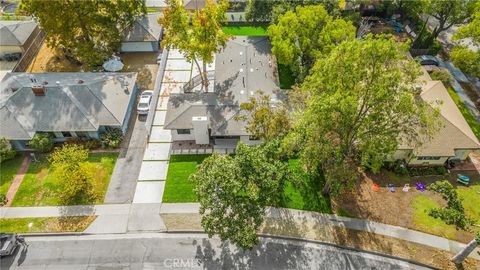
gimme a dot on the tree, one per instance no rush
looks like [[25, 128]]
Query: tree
[[233, 191], [6, 150], [266, 120], [303, 35], [199, 35], [41, 142], [360, 98], [463, 254], [466, 60], [447, 12], [472, 29], [442, 75], [88, 30], [76, 173], [259, 10]]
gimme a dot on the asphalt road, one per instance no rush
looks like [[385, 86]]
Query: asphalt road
[[167, 251]]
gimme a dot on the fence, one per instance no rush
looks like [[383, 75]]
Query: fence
[[30, 52]]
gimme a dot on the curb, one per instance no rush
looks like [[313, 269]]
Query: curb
[[54, 234]]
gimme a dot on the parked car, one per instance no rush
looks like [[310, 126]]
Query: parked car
[[427, 60], [144, 103], [8, 243]]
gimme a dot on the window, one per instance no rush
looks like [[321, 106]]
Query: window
[[81, 134], [66, 134], [183, 131], [428, 158]]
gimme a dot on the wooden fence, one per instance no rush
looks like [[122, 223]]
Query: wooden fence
[[30, 53]]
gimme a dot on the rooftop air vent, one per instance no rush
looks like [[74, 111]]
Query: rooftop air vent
[[79, 81], [45, 83], [14, 89]]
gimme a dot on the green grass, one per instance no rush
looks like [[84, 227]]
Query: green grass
[[8, 170], [178, 188], [260, 30], [286, 77], [40, 187], [49, 224], [474, 125], [471, 200], [153, 9], [422, 204]]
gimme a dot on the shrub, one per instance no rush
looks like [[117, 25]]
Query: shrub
[[434, 48], [3, 199], [6, 150], [111, 138], [466, 60], [442, 75], [42, 142], [87, 143], [423, 171], [453, 214]]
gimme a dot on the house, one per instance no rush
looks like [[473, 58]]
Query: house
[[454, 140], [64, 104], [144, 35], [199, 117], [17, 36]]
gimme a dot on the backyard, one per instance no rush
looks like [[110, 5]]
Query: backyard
[[40, 187], [474, 125], [8, 170], [250, 30], [299, 193], [52, 60]]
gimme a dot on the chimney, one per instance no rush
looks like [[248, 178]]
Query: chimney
[[39, 90]]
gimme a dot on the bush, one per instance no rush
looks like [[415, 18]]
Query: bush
[[87, 143], [423, 171], [454, 213], [442, 75], [42, 142], [466, 60], [3, 199], [434, 48], [111, 138], [6, 150]]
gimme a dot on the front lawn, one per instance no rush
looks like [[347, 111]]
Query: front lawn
[[49, 224], [8, 170], [471, 120], [260, 30], [40, 187], [178, 188], [303, 193]]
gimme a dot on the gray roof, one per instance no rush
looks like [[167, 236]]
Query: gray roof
[[15, 33], [243, 67], [145, 28], [73, 102]]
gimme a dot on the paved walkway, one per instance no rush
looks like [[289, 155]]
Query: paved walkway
[[17, 180]]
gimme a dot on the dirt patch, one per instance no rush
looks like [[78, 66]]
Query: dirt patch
[[182, 222], [146, 66], [51, 60], [69, 224]]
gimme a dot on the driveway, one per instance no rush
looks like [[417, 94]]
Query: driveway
[[192, 251]]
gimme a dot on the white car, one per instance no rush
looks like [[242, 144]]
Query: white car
[[144, 103]]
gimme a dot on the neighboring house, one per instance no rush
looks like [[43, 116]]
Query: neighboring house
[[243, 67], [17, 36], [454, 140], [64, 104], [144, 36]]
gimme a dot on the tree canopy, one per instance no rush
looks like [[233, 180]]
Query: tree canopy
[[198, 35], [88, 30], [447, 12], [234, 190], [361, 97], [302, 36]]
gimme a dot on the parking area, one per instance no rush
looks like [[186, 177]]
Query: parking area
[[145, 64]]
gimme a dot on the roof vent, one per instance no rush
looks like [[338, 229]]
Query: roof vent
[[241, 70], [79, 81], [45, 83], [14, 89], [32, 78], [39, 90], [58, 83], [251, 69], [241, 53]]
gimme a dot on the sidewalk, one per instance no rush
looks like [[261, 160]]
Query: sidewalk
[[17, 180]]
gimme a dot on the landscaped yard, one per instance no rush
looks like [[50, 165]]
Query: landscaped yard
[[303, 194], [40, 187], [8, 170], [50, 224], [474, 125], [260, 30]]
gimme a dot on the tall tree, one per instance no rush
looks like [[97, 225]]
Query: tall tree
[[233, 191], [360, 98], [259, 10], [199, 35], [303, 35], [447, 12], [88, 30]]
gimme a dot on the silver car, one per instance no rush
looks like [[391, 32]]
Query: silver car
[[8, 243], [144, 103]]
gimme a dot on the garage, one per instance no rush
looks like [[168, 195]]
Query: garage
[[144, 35]]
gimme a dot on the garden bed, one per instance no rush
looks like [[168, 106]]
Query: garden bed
[[41, 187]]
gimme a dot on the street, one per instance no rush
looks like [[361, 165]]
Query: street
[[186, 251]]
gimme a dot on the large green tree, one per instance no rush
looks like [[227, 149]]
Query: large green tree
[[88, 30], [302, 36], [447, 13], [361, 105], [198, 35], [233, 191]]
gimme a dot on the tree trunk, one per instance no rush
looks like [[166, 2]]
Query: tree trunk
[[199, 70], [462, 255], [205, 76], [326, 189]]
